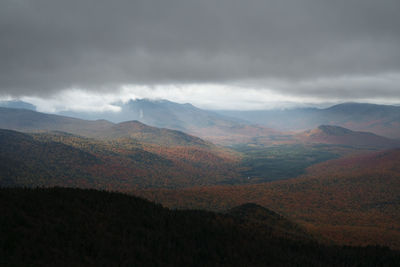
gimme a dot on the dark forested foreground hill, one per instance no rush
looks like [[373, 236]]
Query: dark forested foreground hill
[[71, 227]]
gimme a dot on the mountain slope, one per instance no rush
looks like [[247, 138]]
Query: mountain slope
[[151, 135], [256, 216], [50, 159], [69, 227], [17, 104], [31, 121], [328, 134], [27, 162]]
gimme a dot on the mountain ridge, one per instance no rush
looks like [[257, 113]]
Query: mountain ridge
[[186, 117], [59, 159], [331, 134], [379, 119], [32, 121]]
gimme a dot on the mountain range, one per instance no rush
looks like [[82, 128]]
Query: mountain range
[[183, 117], [213, 125], [338, 182], [258, 127], [379, 119], [31, 121]]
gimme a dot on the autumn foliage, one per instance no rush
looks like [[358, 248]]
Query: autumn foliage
[[353, 200]]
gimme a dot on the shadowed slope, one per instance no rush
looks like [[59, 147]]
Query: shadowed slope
[[70, 227]]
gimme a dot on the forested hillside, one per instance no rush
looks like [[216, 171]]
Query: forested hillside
[[329, 134], [353, 200], [50, 159]]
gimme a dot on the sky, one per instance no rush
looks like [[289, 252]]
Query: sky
[[225, 54]]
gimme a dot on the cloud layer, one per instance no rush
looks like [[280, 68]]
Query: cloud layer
[[342, 49]]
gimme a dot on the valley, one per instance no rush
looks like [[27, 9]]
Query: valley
[[352, 200]]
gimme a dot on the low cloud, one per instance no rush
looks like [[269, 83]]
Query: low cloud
[[303, 49], [217, 96]]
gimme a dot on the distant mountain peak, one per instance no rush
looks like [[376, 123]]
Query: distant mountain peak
[[360, 108]]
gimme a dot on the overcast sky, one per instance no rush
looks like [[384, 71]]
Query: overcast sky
[[87, 54]]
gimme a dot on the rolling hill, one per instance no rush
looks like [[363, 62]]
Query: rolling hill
[[328, 134], [61, 159], [70, 227], [150, 135]]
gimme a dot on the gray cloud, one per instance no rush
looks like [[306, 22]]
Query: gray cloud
[[50, 45]]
